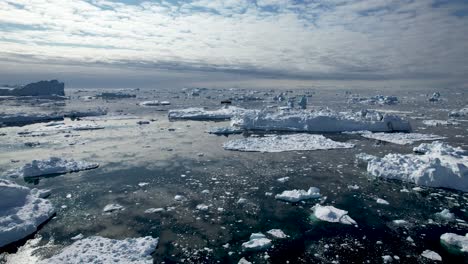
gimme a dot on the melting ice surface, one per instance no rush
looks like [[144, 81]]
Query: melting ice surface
[[170, 179]]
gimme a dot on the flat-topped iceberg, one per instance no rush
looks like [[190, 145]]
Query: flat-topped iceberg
[[20, 119], [439, 165], [257, 242], [455, 242], [195, 113], [295, 196], [319, 121], [22, 211], [224, 130], [98, 249], [53, 165], [280, 143], [332, 214], [401, 138]]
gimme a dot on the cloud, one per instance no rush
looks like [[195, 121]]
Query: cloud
[[364, 39]]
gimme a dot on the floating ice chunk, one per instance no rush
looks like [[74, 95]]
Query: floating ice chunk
[[77, 237], [283, 179], [165, 103], [440, 166], [333, 215], [455, 242], [295, 196], [387, 259], [257, 242], [50, 166], [150, 103], [244, 261], [224, 131], [280, 143], [277, 233], [21, 211], [115, 95], [112, 207], [19, 119], [382, 201], [194, 113], [202, 207], [431, 255], [446, 215], [88, 113], [319, 121], [179, 198], [459, 113], [378, 99], [401, 138], [154, 210], [97, 249], [143, 184], [440, 123]]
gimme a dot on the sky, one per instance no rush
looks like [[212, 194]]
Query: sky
[[114, 43]]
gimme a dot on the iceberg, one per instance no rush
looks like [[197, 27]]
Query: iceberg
[[98, 249], [295, 196], [429, 254], [257, 242], [280, 143], [319, 121], [53, 165], [332, 214], [22, 211], [438, 165], [459, 113], [455, 242], [401, 138], [199, 114]]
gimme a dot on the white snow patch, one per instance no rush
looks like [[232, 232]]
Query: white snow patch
[[154, 210], [280, 143], [440, 123], [440, 166], [446, 215], [21, 211], [53, 165], [382, 201], [332, 214], [283, 179], [97, 249], [202, 207], [294, 196]]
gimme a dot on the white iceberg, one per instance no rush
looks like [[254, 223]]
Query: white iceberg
[[401, 138], [277, 233], [21, 211], [319, 121], [429, 254], [280, 143], [333, 215], [440, 123], [455, 242], [54, 165], [295, 196], [459, 113], [257, 242], [97, 249], [440, 165], [195, 113]]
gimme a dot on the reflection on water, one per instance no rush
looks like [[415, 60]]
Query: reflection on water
[[179, 158]]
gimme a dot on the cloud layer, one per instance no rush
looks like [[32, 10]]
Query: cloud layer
[[308, 38]]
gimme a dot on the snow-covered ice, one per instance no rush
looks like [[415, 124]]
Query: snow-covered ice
[[295, 196], [332, 214], [154, 210], [98, 249], [21, 211], [455, 242], [401, 138], [195, 113], [257, 242], [53, 165], [320, 121], [440, 165], [280, 143], [431, 255]]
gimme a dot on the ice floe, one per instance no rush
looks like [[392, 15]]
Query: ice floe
[[277, 233], [439, 165], [295, 196], [429, 254], [112, 207], [22, 210], [382, 201], [401, 138], [280, 143], [257, 242], [224, 130], [455, 242], [154, 210], [319, 121], [40, 88], [445, 215], [53, 165], [194, 113], [332, 214], [97, 249], [9, 119]]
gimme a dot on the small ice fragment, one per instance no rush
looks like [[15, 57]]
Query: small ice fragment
[[353, 187], [277, 233], [431, 255], [179, 198], [257, 242], [446, 215], [241, 201], [382, 201], [112, 207], [332, 214], [244, 261], [202, 207], [400, 222], [455, 242], [154, 210], [294, 196]]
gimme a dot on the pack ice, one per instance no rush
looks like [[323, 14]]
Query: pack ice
[[280, 143], [196, 113], [401, 138], [53, 165], [438, 165], [98, 249], [22, 210], [319, 121]]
